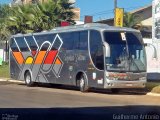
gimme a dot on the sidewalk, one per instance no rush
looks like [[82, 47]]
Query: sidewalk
[[10, 80], [153, 94]]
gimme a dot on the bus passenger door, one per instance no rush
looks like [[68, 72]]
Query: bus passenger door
[[96, 64]]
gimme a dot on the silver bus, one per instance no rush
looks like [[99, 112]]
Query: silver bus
[[90, 55]]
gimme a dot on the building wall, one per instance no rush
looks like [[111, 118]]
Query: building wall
[[144, 13], [153, 62], [77, 14], [2, 55]]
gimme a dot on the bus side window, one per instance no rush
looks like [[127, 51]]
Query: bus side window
[[76, 40], [44, 38], [31, 43], [96, 49], [68, 40], [13, 45], [22, 44], [83, 43]]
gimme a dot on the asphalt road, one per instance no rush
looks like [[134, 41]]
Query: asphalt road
[[56, 103]]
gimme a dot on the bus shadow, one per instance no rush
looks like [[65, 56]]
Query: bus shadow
[[83, 113], [121, 91]]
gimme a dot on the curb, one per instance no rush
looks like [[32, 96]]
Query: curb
[[16, 81], [153, 94], [10, 80]]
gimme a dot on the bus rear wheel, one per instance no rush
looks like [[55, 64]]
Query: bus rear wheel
[[83, 83], [28, 79]]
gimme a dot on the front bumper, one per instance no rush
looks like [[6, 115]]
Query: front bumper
[[125, 84]]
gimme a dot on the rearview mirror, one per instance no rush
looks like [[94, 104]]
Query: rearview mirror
[[107, 50]]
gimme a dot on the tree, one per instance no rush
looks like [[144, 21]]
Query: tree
[[40, 16], [16, 22], [65, 10], [4, 12], [132, 20], [4, 32], [4, 36]]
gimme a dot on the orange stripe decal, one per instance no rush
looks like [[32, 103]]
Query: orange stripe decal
[[58, 61], [18, 56], [40, 57]]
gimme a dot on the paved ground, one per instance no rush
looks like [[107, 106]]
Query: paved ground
[[45, 102]]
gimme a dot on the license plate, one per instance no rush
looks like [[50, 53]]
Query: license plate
[[129, 85]]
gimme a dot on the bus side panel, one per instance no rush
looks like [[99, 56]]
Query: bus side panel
[[61, 68], [82, 62], [74, 55], [14, 67]]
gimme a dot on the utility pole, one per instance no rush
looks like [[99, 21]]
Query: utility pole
[[115, 6]]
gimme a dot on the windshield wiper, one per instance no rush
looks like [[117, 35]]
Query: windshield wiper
[[132, 61]]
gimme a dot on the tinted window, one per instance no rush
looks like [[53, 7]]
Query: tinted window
[[31, 43], [76, 40], [42, 38], [22, 44], [13, 46], [83, 43], [57, 44], [68, 40], [96, 49]]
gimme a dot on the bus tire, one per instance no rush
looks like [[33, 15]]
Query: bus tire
[[83, 86], [28, 79], [115, 90]]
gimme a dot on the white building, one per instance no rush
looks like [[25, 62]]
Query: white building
[[2, 51]]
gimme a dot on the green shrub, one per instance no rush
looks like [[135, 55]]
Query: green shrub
[[156, 89], [4, 70]]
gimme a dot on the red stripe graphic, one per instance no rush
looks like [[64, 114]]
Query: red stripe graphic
[[50, 57], [34, 52]]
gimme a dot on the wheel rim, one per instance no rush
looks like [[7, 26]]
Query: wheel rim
[[82, 82], [28, 79]]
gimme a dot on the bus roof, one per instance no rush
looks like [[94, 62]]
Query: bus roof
[[95, 26]]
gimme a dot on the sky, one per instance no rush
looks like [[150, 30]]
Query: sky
[[103, 9], [5, 1]]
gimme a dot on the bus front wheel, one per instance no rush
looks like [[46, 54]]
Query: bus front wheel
[[83, 83], [28, 79]]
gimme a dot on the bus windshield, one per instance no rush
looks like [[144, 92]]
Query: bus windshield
[[127, 52]]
